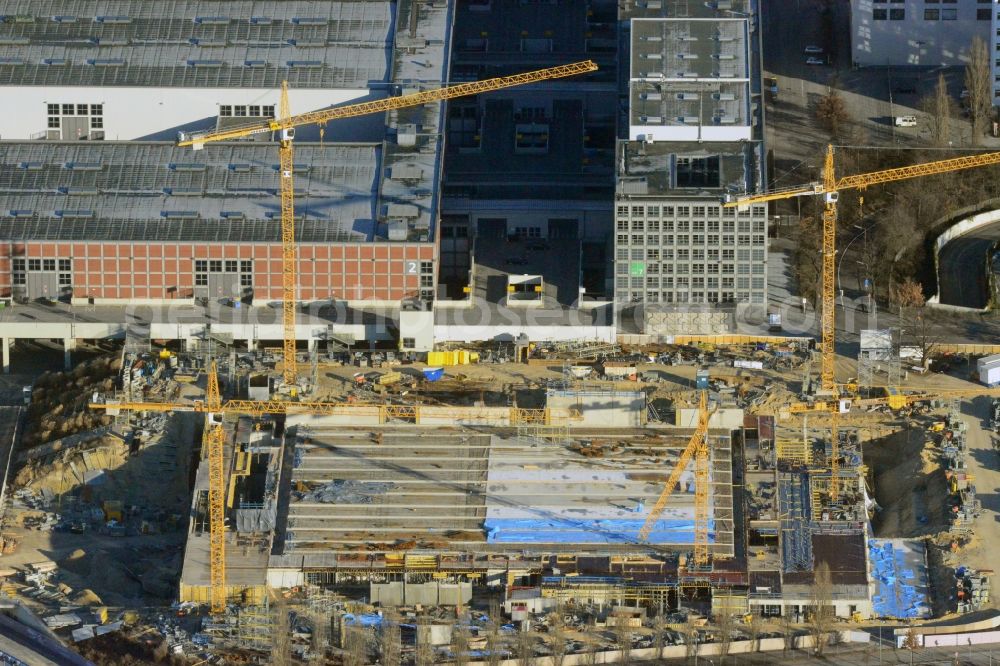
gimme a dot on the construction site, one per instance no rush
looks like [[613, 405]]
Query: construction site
[[583, 479], [326, 403]]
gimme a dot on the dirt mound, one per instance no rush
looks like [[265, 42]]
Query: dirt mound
[[59, 400], [77, 562], [87, 598]]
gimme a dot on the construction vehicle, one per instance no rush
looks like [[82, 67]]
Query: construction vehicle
[[284, 126]]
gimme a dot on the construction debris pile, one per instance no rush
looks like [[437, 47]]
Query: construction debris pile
[[344, 491], [972, 589], [963, 505], [59, 401]]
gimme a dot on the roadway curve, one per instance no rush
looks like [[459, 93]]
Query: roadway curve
[[962, 267]]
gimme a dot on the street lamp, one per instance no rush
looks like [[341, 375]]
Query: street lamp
[[840, 263]]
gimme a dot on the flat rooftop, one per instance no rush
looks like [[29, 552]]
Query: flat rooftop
[[446, 490], [510, 36], [551, 141], [631, 9], [689, 49], [195, 43], [157, 191], [496, 259], [687, 169]]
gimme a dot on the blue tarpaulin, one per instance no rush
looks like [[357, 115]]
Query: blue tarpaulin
[[553, 530], [899, 590]]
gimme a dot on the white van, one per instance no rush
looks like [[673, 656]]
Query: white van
[[906, 121]]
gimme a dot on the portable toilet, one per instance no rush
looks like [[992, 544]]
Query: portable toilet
[[701, 380]]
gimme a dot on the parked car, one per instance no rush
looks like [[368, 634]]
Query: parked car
[[812, 60]]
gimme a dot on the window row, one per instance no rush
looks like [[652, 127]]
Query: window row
[[896, 14], [728, 226], [684, 269], [96, 122], [246, 110], [19, 264], [683, 254], [685, 211], [223, 266], [75, 109], [690, 297], [692, 239]]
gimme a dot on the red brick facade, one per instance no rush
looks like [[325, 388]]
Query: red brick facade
[[165, 270]]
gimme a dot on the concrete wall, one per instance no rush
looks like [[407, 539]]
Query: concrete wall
[[915, 41], [695, 322], [690, 132], [150, 113], [602, 409], [399, 593], [419, 325], [729, 418], [473, 333]]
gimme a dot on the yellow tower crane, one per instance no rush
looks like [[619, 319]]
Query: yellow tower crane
[[697, 447], [214, 440], [285, 125], [830, 188]]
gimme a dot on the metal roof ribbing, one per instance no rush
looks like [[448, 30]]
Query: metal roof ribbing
[[130, 190], [157, 41]]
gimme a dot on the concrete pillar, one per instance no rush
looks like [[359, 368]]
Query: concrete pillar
[[69, 344], [5, 345], [312, 344]]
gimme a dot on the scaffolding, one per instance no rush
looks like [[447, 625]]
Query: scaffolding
[[878, 354], [244, 627]]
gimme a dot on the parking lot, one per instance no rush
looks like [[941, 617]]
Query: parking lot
[[874, 96]]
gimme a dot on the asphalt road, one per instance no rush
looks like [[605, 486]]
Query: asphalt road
[[983, 464], [963, 268]]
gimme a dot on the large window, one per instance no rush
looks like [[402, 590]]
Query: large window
[[56, 112]]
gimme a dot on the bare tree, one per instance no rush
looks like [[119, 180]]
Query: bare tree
[[822, 618], [494, 644], [390, 643], [808, 258], [787, 631], [623, 637], [753, 629], [424, 648], [690, 637], [320, 631], [724, 623], [525, 646], [590, 656], [978, 81], [557, 635], [910, 641], [355, 646], [921, 325], [281, 654], [460, 640], [939, 107], [831, 112], [659, 634]]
